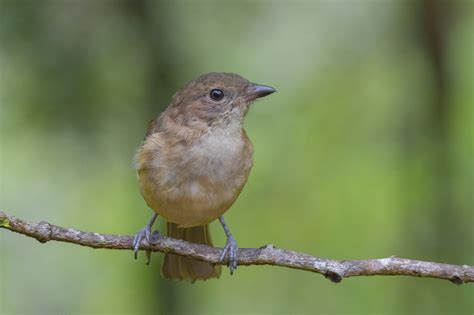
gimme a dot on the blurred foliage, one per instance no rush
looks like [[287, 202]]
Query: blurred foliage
[[366, 151]]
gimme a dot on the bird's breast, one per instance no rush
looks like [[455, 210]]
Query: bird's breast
[[216, 156], [193, 184]]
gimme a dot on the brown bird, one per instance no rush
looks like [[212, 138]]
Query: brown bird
[[193, 164]]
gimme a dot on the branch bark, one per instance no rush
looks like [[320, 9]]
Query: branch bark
[[335, 270]]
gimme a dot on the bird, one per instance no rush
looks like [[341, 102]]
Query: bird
[[193, 164]]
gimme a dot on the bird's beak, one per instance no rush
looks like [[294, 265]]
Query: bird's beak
[[255, 91]]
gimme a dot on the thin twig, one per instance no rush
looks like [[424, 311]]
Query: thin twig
[[335, 270]]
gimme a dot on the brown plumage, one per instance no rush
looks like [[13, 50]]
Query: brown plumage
[[195, 160]]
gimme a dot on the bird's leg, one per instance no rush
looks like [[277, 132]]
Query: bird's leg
[[144, 233], [230, 247]]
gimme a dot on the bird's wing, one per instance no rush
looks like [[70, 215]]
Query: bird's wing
[[152, 127]]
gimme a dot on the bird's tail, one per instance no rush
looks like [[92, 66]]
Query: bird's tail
[[184, 268]]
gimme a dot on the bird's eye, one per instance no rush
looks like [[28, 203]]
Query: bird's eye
[[216, 94]]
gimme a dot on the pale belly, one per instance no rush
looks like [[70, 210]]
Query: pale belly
[[199, 185]]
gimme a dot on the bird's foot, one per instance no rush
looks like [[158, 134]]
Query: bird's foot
[[230, 248], [146, 234]]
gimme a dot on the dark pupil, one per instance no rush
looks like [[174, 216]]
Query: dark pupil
[[217, 94]]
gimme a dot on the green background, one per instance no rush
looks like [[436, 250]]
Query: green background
[[366, 151]]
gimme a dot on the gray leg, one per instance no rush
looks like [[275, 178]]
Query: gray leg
[[230, 247], [144, 233]]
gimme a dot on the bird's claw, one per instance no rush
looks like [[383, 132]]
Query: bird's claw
[[146, 234], [231, 249]]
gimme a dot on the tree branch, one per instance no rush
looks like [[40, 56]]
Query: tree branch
[[335, 270]]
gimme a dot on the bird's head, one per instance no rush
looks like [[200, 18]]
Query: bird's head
[[217, 99]]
